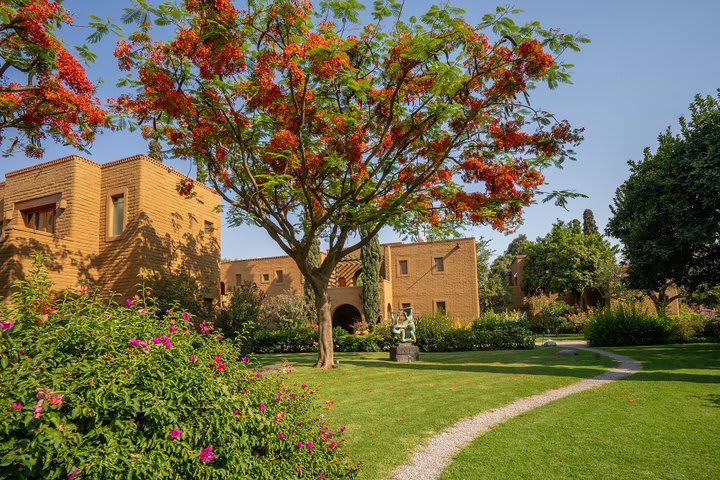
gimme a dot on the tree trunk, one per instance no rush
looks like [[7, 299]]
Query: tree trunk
[[324, 316]]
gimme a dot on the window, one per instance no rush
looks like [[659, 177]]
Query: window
[[41, 218], [279, 276], [265, 277], [117, 215], [222, 288], [405, 306], [238, 280], [440, 308], [439, 264], [342, 282], [403, 267], [209, 228]]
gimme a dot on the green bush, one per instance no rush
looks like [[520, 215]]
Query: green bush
[[627, 325], [178, 290], [552, 316], [688, 326], [502, 334], [100, 391], [285, 311], [492, 331], [378, 340], [296, 340], [434, 333], [241, 315]]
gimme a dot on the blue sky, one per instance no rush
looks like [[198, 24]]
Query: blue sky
[[646, 61]]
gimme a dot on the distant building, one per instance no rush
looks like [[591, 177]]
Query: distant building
[[105, 224], [429, 277]]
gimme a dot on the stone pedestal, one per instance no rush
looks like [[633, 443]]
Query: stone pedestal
[[404, 352]]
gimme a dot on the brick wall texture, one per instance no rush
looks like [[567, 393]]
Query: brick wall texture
[[162, 231]]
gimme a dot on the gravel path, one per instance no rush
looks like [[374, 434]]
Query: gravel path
[[430, 460]]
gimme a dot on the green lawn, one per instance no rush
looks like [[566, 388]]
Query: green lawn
[[661, 423], [389, 408]]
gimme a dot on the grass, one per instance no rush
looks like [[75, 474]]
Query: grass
[[661, 423], [389, 407]]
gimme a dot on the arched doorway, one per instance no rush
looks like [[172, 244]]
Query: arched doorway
[[344, 316], [357, 279]]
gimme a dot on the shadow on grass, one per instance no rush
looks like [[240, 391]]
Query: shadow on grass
[[658, 362], [713, 400]]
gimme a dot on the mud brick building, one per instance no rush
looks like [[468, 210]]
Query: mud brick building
[[107, 224], [429, 277]]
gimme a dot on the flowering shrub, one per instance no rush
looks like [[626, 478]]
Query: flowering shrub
[[549, 315], [94, 390], [712, 325], [285, 311]]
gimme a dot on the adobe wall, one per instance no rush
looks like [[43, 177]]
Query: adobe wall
[[252, 270], [73, 247], [423, 286]]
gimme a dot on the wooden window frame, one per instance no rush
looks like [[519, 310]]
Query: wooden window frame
[[109, 237], [407, 267], [435, 270], [436, 307]]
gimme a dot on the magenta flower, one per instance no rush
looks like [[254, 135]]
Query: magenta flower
[[38, 409], [281, 436], [236, 412], [342, 429], [244, 359], [258, 375], [16, 405], [278, 397], [157, 340], [73, 473], [204, 328], [185, 316], [300, 445], [310, 445], [168, 312], [172, 328], [219, 365], [7, 325], [218, 338], [129, 302], [206, 454], [303, 386], [192, 359], [262, 407], [175, 433], [332, 445]]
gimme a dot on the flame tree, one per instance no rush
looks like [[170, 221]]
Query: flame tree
[[44, 90], [315, 125]]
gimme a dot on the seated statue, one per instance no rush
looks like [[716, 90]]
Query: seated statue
[[404, 331]]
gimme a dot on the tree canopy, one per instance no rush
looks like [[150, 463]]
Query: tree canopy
[[315, 126], [666, 213], [44, 91], [566, 260], [493, 279]]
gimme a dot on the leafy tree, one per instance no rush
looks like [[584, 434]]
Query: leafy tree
[[494, 290], [666, 213], [44, 91], [589, 225], [371, 258], [243, 312], [314, 129], [566, 260]]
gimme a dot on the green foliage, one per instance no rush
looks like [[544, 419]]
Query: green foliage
[[243, 312], [627, 325], [491, 331], [173, 289], [313, 262], [550, 315], [285, 311], [493, 287], [96, 390], [589, 225], [666, 215], [295, 340], [565, 260], [371, 258]]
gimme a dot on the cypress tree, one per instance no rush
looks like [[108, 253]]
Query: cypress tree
[[371, 259], [589, 225], [314, 259]]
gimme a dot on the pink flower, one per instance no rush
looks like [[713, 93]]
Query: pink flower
[[300, 445], [129, 302], [303, 386], [157, 340], [218, 338], [236, 412], [41, 394], [278, 397], [81, 289], [310, 445], [16, 405], [7, 325], [322, 475], [281, 436], [56, 400], [168, 312], [38, 408], [219, 365], [192, 359], [175, 433], [142, 311], [258, 375], [138, 343], [262, 407], [172, 328], [342, 429], [204, 328], [244, 359], [314, 326], [206, 454], [73, 473], [332, 445], [185, 316]]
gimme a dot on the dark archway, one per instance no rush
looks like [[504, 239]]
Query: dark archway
[[344, 316], [357, 281]]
